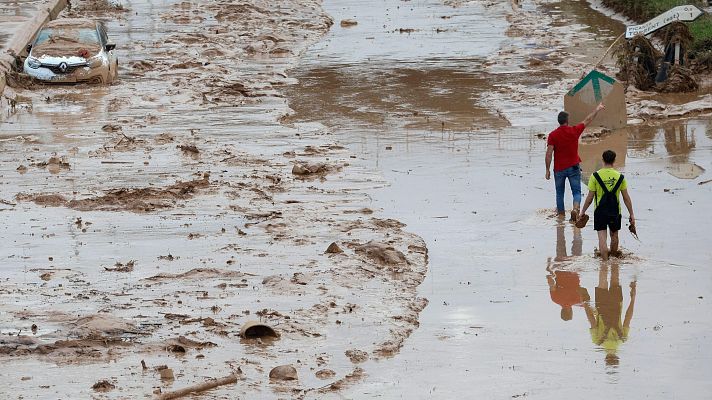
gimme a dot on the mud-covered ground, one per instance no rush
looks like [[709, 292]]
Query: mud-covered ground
[[146, 222], [151, 219]]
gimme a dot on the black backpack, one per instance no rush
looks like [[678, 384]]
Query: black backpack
[[607, 206]]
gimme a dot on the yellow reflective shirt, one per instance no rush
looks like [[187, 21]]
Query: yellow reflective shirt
[[609, 176], [608, 338]]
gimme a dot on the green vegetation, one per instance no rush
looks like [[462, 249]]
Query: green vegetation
[[643, 10]]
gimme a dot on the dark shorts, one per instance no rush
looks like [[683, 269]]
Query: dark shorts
[[601, 224]]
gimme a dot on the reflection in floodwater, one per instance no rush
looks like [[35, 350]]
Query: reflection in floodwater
[[576, 245], [565, 286], [591, 152], [607, 331], [679, 144], [676, 142]]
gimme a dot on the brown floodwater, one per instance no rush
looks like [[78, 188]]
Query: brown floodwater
[[474, 189], [418, 92]]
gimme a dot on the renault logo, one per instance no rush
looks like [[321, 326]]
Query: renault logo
[[63, 67]]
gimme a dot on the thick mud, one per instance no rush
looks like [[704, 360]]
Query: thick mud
[[147, 222]]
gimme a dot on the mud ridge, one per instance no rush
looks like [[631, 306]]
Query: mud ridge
[[134, 200]]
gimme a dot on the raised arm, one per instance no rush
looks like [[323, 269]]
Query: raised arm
[[600, 107], [629, 205], [549, 154]]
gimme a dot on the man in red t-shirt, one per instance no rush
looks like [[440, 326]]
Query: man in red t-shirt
[[562, 143]]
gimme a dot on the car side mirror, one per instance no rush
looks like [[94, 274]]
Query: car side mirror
[[110, 46], [29, 48]]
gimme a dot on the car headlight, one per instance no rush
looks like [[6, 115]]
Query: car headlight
[[95, 62], [33, 63]]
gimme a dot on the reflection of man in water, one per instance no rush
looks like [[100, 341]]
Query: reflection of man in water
[[564, 286], [607, 330]]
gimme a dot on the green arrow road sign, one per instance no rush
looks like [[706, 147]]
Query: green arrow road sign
[[595, 78]]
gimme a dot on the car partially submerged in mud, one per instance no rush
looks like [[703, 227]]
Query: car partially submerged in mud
[[70, 51]]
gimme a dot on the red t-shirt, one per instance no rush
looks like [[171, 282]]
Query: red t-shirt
[[565, 140], [567, 289]]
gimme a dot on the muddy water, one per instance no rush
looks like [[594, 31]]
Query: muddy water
[[474, 189]]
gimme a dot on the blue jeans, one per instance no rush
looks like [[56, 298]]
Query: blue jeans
[[574, 176]]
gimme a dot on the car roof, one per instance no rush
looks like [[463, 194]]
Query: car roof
[[72, 23]]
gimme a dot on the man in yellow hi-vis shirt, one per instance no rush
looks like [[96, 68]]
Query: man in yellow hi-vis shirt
[[605, 185]]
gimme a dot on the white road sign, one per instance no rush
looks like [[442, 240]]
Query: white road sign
[[679, 13]]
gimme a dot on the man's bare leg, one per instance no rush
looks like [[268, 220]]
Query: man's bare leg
[[602, 244], [614, 243]]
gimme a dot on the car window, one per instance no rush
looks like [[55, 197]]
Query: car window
[[71, 35]]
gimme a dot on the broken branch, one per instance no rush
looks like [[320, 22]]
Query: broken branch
[[201, 387]]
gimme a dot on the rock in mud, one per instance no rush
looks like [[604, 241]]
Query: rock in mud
[[333, 249], [103, 386], [382, 253], [307, 169], [189, 148], [348, 22], [283, 373]]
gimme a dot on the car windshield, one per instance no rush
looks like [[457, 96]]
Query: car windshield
[[49, 36]]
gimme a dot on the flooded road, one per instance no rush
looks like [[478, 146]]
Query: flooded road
[[472, 185], [150, 220]]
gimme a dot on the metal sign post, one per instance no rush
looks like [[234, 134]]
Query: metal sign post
[[680, 13]]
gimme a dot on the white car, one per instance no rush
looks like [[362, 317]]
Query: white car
[[72, 50]]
